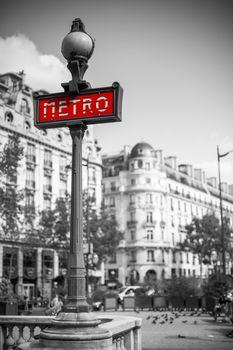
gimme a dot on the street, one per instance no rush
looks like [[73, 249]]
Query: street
[[184, 332]]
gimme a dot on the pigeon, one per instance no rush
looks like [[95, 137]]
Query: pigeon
[[181, 336], [148, 317], [195, 322], [162, 322], [185, 321], [154, 321]]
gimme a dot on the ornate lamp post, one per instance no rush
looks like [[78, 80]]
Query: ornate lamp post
[[75, 327]]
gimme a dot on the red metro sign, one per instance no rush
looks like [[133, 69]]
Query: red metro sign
[[90, 106]]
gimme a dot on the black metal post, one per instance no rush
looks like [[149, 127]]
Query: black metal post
[[76, 300], [221, 216], [87, 229]]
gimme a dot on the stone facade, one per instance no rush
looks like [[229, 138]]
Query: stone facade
[[153, 199], [45, 170]]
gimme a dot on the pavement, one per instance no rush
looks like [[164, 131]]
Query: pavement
[[185, 330], [160, 332]]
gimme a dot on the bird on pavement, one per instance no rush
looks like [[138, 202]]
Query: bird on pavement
[[181, 336], [185, 321]]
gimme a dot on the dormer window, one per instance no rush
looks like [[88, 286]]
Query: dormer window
[[27, 125], [24, 106], [9, 117], [59, 137], [140, 151]]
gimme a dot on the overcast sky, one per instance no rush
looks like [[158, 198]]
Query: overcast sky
[[173, 58]]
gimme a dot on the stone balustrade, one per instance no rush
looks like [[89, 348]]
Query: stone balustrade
[[16, 330]]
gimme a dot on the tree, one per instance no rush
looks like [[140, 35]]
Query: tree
[[204, 237], [54, 225], [10, 196], [182, 286], [102, 229]]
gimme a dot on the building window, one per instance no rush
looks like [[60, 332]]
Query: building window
[[132, 166], [173, 272], [29, 200], [132, 235], [173, 238], [180, 272], [172, 206], [92, 196], [178, 205], [133, 256], [149, 198], [47, 184], [48, 159], [31, 153], [25, 106], [62, 164], [132, 199], [30, 178], [148, 180], [162, 235], [194, 260], [147, 166], [163, 256], [27, 125], [150, 255], [181, 258], [150, 235], [47, 203], [149, 217], [113, 186], [140, 164], [132, 216], [187, 258], [133, 182], [174, 257], [62, 190], [112, 202]]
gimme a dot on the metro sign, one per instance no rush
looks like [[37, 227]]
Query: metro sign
[[91, 106]]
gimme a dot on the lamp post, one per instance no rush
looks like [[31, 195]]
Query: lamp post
[[75, 327], [221, 210]]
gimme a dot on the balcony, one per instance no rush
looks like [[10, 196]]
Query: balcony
[[47, 188], [149, 224], [62, 193], [30, 184], [16, 330], [31, 158], [132, 223], [48, 164], [162, 224]]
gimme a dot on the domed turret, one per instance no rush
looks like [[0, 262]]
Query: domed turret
[[142, 149]]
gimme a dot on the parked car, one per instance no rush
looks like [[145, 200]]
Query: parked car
[[128, 292]]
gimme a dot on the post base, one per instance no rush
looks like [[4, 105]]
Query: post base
[[72, 331]]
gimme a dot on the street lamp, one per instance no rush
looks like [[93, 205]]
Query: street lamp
[[75, 327], [221, 210]]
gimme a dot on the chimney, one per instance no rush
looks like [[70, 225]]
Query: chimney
[[186, 169], [171, 162], [224, 187], [212, 181], [198, 175], [230, 190]]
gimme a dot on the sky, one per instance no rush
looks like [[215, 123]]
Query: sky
[[173, 58]]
